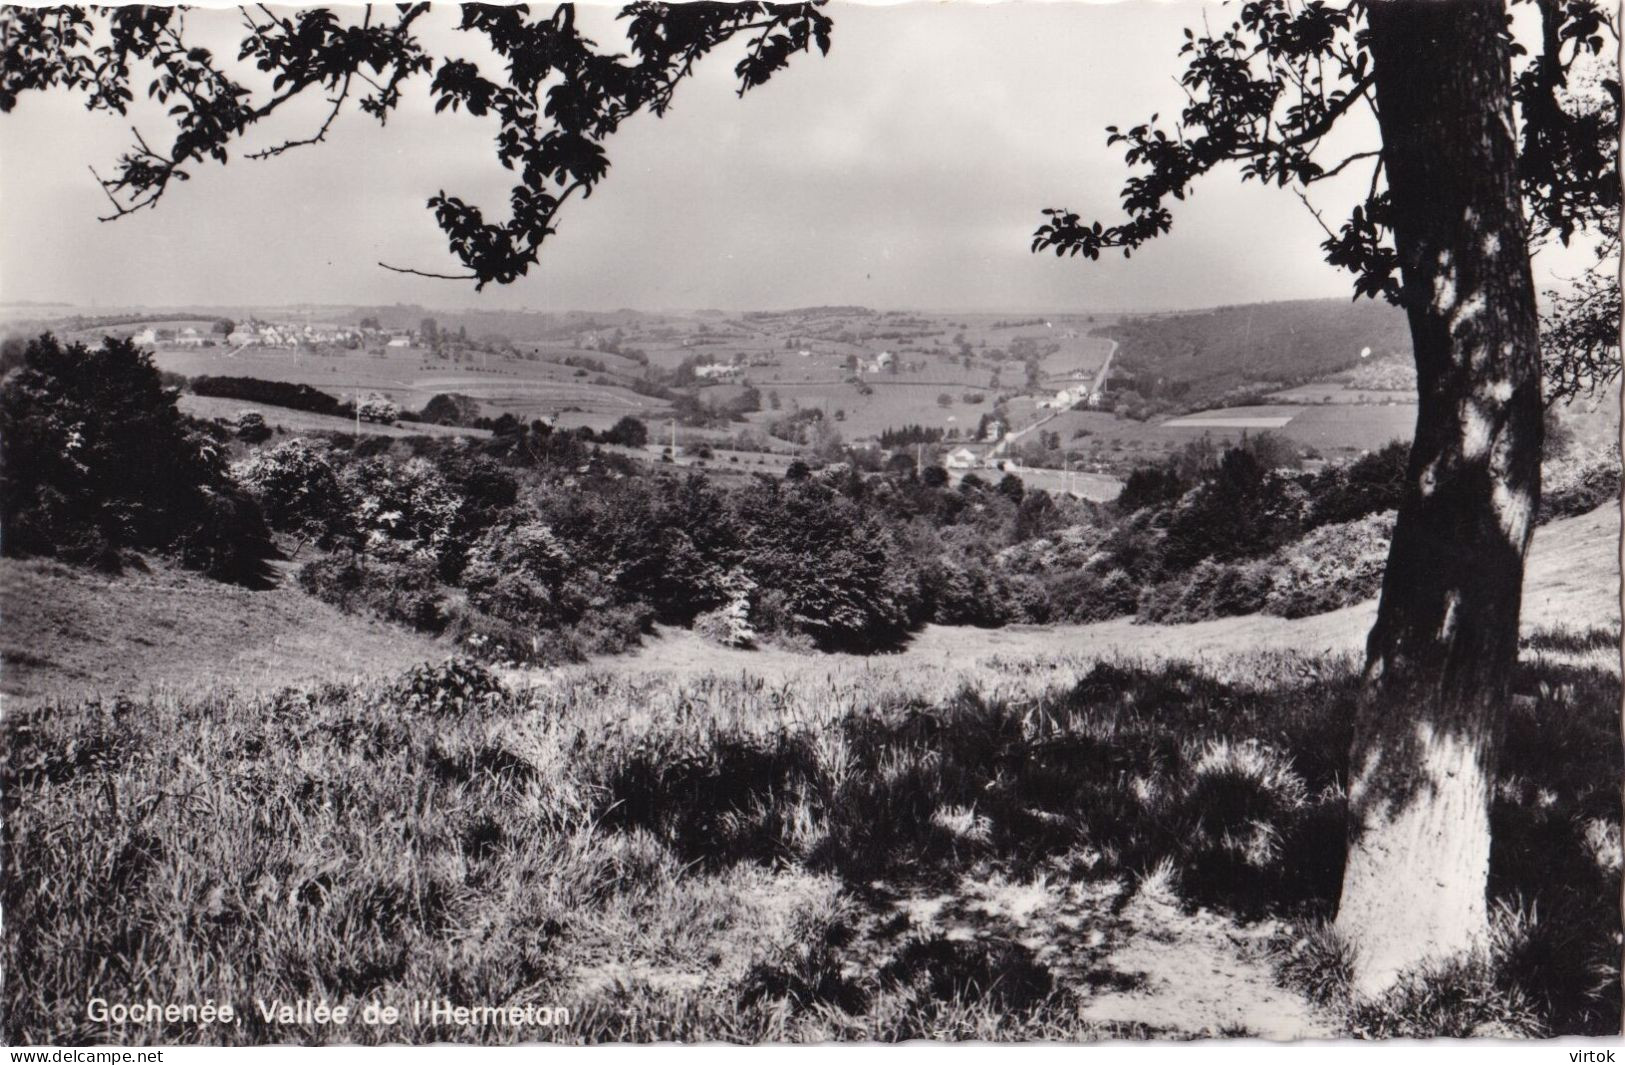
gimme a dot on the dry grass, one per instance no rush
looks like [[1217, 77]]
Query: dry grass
[[728, 860], [70, 632]]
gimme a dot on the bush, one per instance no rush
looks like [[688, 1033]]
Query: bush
[[251, 427], [1369, 485], [457, 687], [402, 507], [836, 565], [1333, 567], [1579, 483], [524, 574], [730, 624], [298, 489], [402, 589], [628, 432], [963, 593], [1211, 590], [378, 409], [451, 408]]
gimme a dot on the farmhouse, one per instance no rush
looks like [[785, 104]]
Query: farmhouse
[[962, 458], [399, 342], [715, 371], [1065, 399], [147, 336]]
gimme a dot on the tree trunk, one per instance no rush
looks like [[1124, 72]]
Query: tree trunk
[[1439, 660]]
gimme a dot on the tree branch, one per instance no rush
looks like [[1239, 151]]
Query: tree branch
[[425, 273]]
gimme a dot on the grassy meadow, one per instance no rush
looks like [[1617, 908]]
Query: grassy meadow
[[1144, 850]]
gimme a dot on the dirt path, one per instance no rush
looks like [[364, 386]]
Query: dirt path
[[1133, 957], [1197, 974]]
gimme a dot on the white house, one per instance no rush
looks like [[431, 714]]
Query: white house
[[399, 342], [715, 371], [962, 458], [147, 337]]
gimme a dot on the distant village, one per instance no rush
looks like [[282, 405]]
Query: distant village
[[262, 334]]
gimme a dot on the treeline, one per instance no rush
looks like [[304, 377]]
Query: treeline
[[272, 393], [537, 548], [909, 435]]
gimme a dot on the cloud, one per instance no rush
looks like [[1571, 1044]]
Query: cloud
[[906, 169]]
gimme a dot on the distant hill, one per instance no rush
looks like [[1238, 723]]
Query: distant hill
[[1229, 348]]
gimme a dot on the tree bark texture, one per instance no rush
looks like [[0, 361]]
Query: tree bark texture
[[1440, 657]]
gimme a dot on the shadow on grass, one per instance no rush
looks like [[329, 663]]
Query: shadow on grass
[[1240, 786]]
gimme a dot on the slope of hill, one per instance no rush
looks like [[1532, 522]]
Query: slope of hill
[[1572, 583], [1231, 347], [70, 632]]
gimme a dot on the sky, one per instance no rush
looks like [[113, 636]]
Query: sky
[[906, 169]]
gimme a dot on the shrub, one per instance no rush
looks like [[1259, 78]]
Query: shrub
[[1210, 590], [523, 573], [401, 507], [298, 489], [1150, 486], [1579, 483], [228, 539], [1369, 485], [402, 589], [962, 593], [456, 687], [451, 408], [836, 565], [1333, 567], [628, 432], [378, 409], [251, 427], [730, 624]]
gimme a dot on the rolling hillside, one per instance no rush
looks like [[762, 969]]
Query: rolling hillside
[[1226, 348], [1571, 583]]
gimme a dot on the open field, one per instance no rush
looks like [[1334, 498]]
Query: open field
[[891, 405], [298, 421], [410, 377], [1084, 485]]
